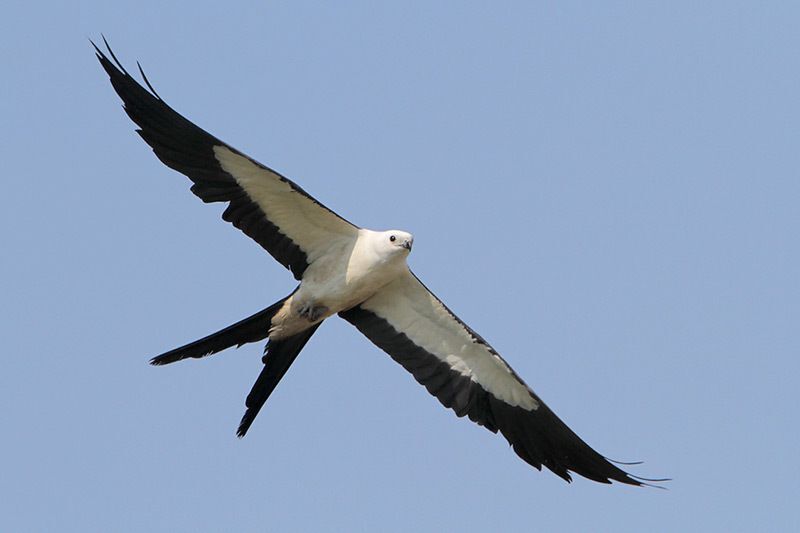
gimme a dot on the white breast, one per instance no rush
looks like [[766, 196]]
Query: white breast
[[351, 272]]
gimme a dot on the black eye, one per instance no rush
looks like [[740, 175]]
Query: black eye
[[392, 238]]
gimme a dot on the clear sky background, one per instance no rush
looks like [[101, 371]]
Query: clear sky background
[[607, 191]]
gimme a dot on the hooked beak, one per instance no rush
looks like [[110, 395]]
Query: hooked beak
[[407, 245]]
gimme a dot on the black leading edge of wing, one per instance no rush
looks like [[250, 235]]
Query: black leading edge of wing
[[539, 437], [183, 146]]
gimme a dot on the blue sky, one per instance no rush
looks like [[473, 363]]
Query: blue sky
[[606, 191]]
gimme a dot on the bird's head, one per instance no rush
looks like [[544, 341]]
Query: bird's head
[[397, 241]]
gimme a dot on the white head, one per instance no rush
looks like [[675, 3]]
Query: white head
[[392, 243]]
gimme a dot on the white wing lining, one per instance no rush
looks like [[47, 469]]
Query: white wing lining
[[410, 308], [313, 227]]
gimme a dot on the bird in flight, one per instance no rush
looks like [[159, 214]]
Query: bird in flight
[[356, 273]]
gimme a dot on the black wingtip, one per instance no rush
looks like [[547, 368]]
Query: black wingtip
[[144, 77], [650, 482], [113, 56], [653, 485], [625, 463], [639, 480], [96, 49]]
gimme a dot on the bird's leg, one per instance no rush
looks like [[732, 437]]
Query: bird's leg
[[312, 312]]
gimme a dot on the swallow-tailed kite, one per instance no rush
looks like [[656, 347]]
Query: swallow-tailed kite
[[357, 273]]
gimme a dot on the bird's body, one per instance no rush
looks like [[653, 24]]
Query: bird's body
[[352, 271], [358, 274], [347, 266]]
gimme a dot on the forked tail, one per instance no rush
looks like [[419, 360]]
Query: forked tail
[[278, 357], [252, 329]]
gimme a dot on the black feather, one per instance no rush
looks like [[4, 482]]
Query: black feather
[[537, 436], [279, 356], [252, 329]]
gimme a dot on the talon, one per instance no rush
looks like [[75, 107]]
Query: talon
[[312, 313]]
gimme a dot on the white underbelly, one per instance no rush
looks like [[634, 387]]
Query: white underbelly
[[333, 287]]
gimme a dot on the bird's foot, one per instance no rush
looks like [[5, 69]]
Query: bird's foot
[[312, 313]]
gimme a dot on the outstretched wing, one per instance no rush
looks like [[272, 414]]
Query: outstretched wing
[[460, 368], [271, 209]]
